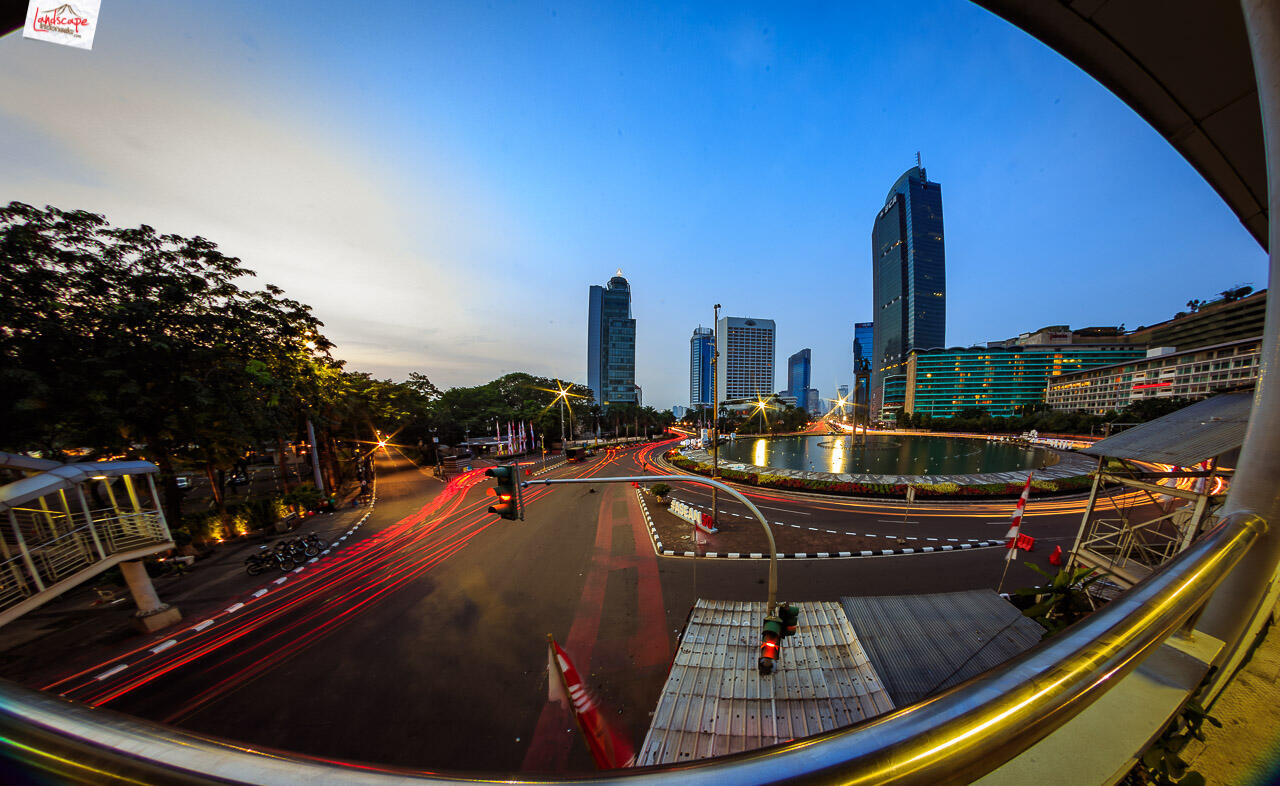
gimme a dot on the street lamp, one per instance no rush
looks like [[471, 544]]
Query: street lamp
[[715, 411]]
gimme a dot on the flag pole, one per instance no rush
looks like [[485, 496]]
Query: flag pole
[[1015, 531], [1003, 573]]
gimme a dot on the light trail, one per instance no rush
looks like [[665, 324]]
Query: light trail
[[397, 555]]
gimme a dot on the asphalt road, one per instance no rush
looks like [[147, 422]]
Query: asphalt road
[[420, 640]]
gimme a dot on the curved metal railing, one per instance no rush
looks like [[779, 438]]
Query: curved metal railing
[[949, 738]]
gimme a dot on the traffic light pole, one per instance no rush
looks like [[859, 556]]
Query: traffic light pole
[[715, 485]]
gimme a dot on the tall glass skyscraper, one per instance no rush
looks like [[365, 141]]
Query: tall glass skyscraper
[[909, 277], [611, 343], [799, 374], [863, 341], [701, 346]]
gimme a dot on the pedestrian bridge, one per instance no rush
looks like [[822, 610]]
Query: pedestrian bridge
[[69, 522]]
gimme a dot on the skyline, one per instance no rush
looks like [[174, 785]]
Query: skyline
[[713, 156]]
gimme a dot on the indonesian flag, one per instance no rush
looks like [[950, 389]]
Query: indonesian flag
[[1016, 529], [608, 747]]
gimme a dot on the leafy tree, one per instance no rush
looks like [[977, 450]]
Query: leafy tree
[[120, 336]]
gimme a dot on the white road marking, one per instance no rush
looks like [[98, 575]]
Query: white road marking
[[164, 645], [111, 671], [299, 569], [313, 559], [259, 593], [282, 580], [203, 625], [235, 607]]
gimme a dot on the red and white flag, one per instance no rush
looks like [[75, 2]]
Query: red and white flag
[[1016, 529], [608, 747]]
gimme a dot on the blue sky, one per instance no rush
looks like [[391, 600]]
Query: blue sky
[[442, 182]]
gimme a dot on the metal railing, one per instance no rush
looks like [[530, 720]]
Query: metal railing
[[949, 738]]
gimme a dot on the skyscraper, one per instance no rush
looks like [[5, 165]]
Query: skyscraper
[[863, 341], [745, 369], [701, 345], [813, 402], [909, 277], [799, 373], [611, 343]]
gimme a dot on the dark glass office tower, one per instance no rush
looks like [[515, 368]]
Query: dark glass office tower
[[909, 277], [863, 341], [701, 346], [611, 343], [799, 373]]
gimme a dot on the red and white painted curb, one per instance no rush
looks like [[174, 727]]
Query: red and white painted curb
[[661, 551]]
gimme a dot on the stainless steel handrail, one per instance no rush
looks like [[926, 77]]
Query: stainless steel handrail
[[949, 738]]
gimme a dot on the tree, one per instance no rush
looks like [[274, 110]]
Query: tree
[[168, 348]]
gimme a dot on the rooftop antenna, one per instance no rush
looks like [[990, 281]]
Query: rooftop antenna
[[918, 164]]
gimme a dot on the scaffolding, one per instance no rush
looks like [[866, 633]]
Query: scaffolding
[[1153, 463]]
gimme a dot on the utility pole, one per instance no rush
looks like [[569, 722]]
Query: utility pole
[[715, 413], [315, 457]]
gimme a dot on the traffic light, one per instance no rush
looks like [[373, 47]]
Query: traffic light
[[790, 617], [507, 490], [770, 644]]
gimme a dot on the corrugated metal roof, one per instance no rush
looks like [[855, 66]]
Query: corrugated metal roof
[[1192, 434], [921, 644], [715, 701]]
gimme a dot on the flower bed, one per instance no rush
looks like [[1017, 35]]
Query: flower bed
[[891, 490]]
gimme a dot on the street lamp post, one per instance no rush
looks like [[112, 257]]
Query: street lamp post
[[563, 444], [715, 412]]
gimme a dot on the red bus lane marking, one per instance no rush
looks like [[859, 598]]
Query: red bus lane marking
[[553, 735], [650, 645]]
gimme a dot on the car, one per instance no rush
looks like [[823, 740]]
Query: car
[[183, 482], [238, 479]]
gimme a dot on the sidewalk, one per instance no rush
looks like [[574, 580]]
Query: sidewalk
[[1245, 750], [79, 628]]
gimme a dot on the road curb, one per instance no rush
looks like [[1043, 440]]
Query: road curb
[[661, 551], [560, 463]]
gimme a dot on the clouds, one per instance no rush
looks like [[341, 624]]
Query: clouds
[[384, 260]]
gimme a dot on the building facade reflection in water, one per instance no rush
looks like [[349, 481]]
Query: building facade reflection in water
[[887, 454]]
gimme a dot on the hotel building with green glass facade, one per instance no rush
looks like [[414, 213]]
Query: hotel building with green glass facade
[[943, 382]]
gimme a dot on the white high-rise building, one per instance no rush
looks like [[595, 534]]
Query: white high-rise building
[[745, 345]]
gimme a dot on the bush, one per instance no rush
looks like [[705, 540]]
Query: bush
[[262, 514], [660, 489], [303, 497]]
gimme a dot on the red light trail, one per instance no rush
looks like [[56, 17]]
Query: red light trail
[[312, 604]]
